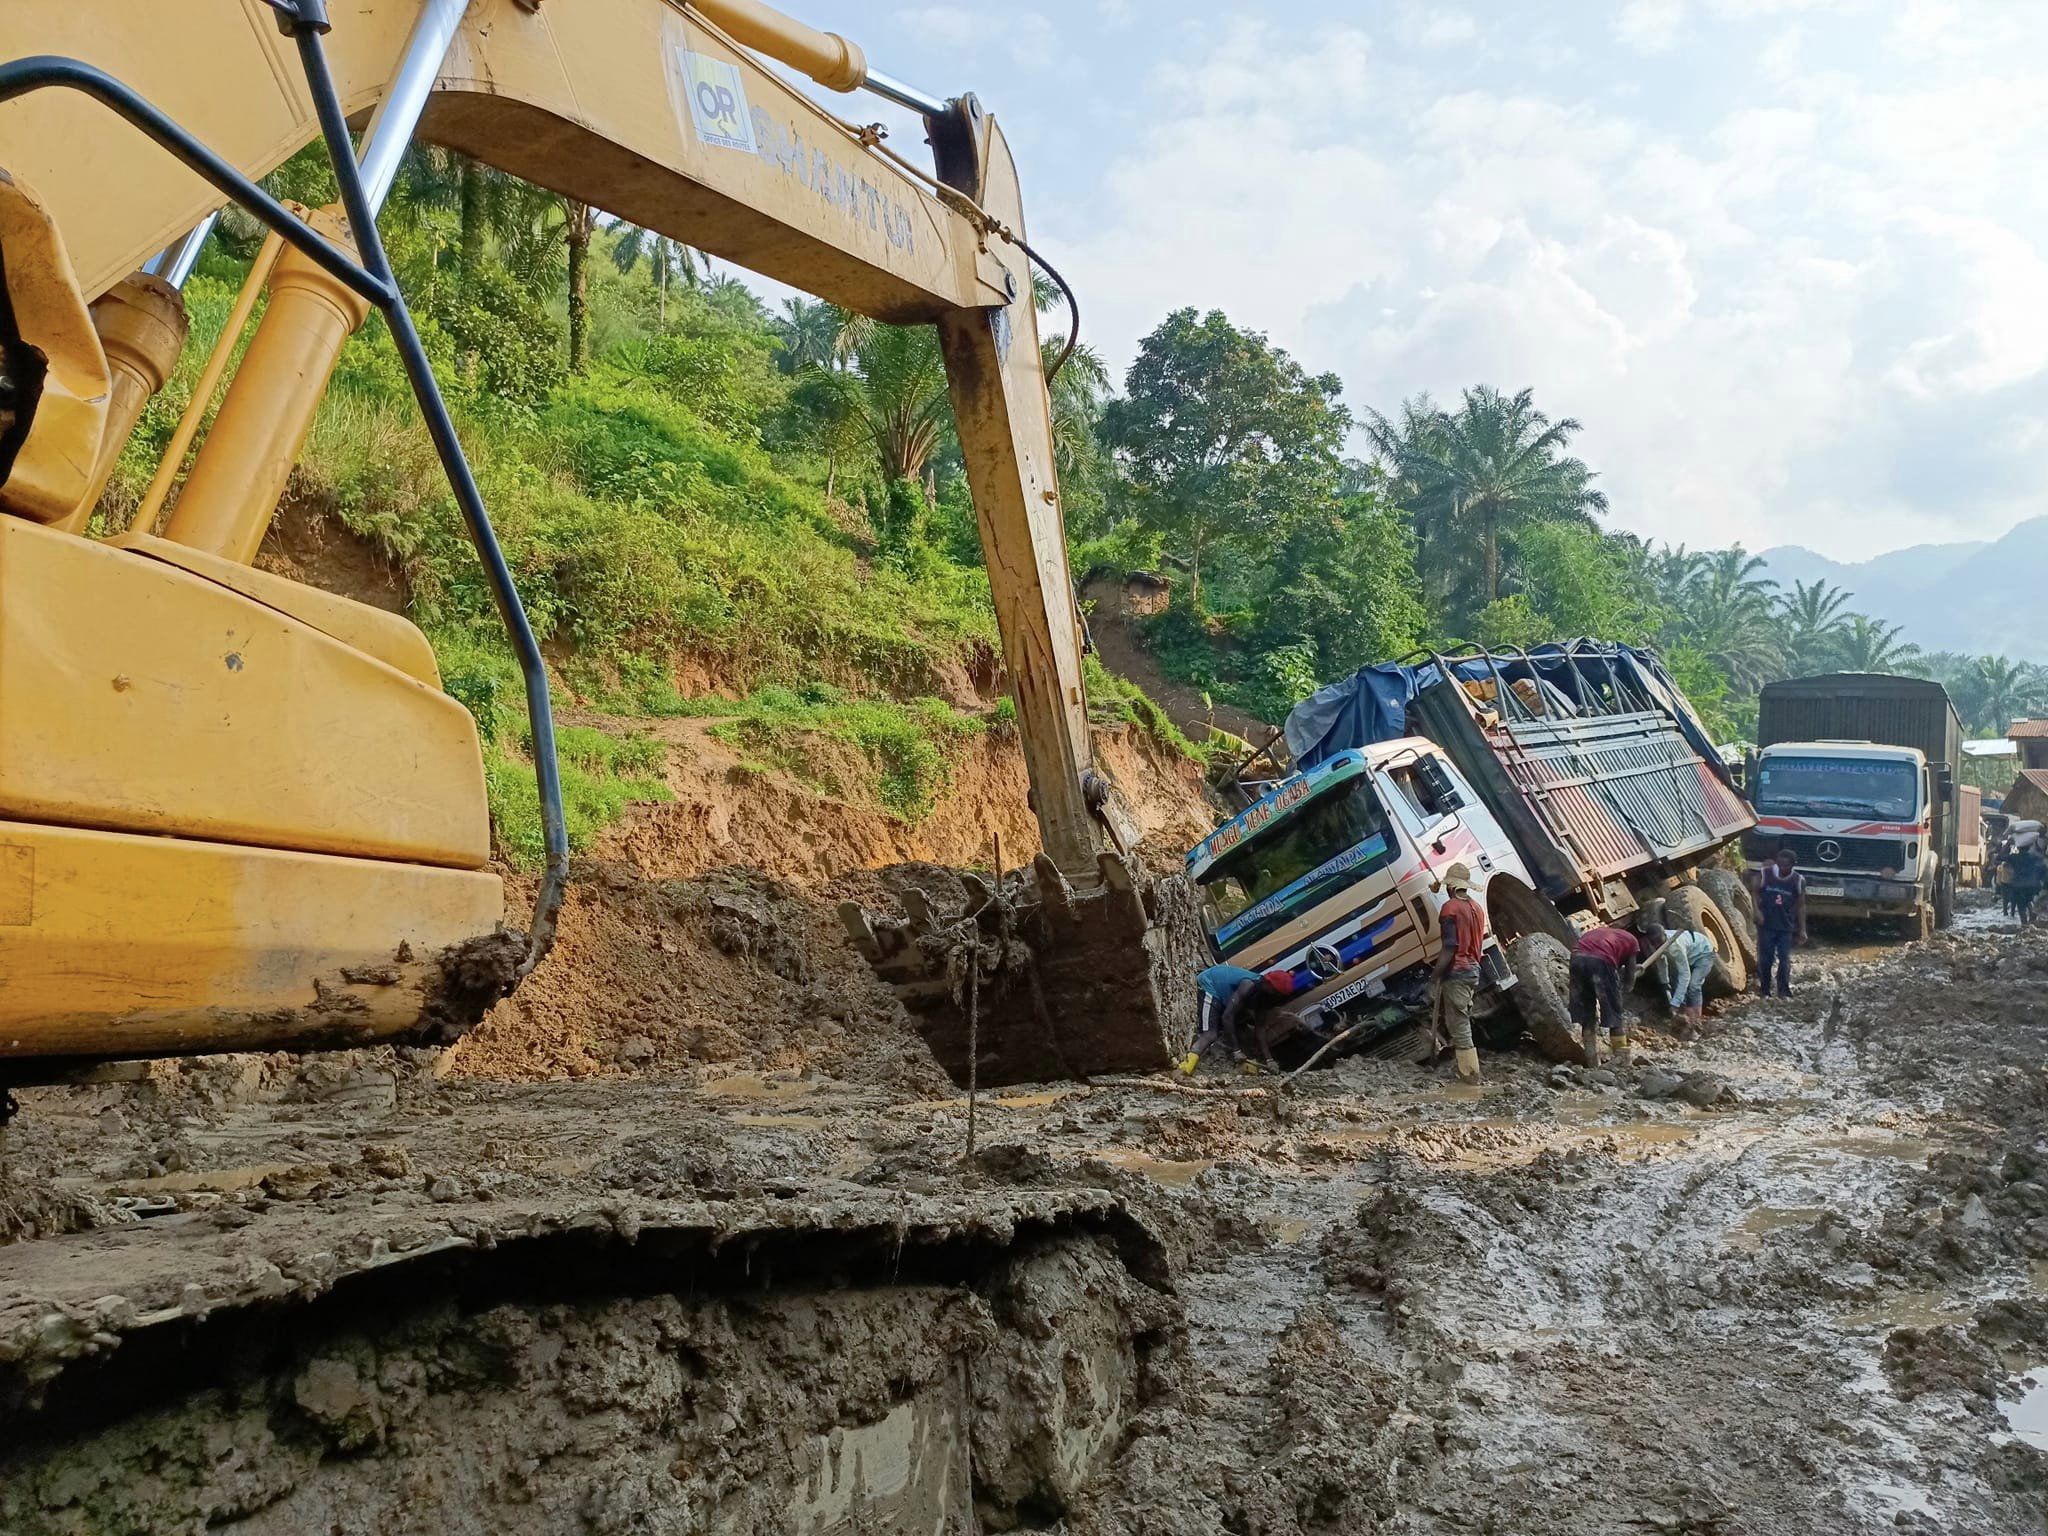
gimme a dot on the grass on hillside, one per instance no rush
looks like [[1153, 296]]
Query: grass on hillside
[[638, 533], [911, 746], [601, 775]]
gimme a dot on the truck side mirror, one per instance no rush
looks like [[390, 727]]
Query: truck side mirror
[[1436, 782]]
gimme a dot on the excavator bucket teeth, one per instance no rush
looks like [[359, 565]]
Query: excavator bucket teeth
[[1066, 984]]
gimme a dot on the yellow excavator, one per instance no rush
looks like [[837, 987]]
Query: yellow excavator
[[238, 812]]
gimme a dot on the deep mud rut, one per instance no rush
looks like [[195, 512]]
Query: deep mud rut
[[1781, 1281]]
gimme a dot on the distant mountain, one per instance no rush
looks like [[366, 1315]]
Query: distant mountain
[[1975, 597]]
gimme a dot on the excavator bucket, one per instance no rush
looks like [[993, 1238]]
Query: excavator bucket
[[1027, 980], [1083, 965]]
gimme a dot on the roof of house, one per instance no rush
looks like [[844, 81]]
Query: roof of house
[[2025, 728], [2035, 778]]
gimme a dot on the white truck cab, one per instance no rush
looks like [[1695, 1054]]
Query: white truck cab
[[1858, 817], [1337, 875]]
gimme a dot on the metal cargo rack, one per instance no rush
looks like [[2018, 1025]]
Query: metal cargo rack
[[1592, 766]]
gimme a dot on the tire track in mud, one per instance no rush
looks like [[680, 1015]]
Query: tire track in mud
[[1685, 1324]]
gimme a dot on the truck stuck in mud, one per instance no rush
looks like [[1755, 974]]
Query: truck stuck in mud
[[1575, 782]]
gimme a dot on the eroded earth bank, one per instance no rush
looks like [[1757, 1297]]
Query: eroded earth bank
[[1781, 1281]]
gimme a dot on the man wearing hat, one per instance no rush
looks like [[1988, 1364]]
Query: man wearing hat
[[1226, 997], [1457, 968]]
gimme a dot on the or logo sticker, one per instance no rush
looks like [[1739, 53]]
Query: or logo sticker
[[17, 885], [718, 101]]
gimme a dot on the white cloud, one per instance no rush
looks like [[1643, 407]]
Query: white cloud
[[1772, 321], [1437, 27], [1028, 36], [1650, 26]]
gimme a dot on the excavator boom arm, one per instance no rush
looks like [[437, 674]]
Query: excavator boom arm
[[653, 112]]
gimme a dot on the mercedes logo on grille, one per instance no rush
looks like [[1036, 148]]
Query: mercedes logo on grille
[[1828, 850]]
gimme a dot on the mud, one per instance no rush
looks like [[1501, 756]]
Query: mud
[[767, 1291]]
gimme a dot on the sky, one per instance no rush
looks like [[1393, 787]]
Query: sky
[[1786, 260]]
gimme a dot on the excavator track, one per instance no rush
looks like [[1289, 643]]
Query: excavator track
[[509, 1321]]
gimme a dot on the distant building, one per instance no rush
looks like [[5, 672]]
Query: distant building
[[2031, 737], [2028, 797]]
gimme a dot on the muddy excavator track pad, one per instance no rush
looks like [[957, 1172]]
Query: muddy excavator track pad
[[1063, 985]]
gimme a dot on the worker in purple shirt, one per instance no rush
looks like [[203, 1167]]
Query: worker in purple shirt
[[1603, 968]]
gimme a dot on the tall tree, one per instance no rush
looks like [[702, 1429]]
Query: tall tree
[[1871, 645], [663, 255], [1724, 608], [809, 332], [1813, 616], [2004, 691], [896, 387], [579, 222], [1223, 438], [1480, 472]]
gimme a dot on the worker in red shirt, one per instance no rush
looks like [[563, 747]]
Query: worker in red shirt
[[1456, 974], [1604, 967]]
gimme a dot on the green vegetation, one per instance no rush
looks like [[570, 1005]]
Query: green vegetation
[[601, 773], [774, 507], [1470, 523], [910, 747]]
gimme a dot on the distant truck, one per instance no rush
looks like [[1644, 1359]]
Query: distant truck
[[1855, 773], [1969, 835], [1575, 782]]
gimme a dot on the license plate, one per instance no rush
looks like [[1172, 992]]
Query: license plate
[[1365, 986], [1826, 888]]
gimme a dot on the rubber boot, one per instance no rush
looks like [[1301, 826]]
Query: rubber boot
[[1468, 1065], [1623, 1056], [1589, 1037]]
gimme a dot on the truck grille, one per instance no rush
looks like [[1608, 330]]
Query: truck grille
[[1860, 853]]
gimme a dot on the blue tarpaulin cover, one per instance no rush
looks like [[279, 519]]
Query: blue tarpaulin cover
[[1372, 704]]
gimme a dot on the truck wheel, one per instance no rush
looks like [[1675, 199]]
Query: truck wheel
[[1945, 899], [1691, 907], [1542, 967], [1917, 924], [1737, 902]]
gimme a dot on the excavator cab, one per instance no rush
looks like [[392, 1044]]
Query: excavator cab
[[237, 812]]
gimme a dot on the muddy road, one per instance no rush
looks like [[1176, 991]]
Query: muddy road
[[1787, 1279]]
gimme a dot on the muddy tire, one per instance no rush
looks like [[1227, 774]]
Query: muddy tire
[[1945, 899], [1728, 891], [1542, 967], [1691, 907]]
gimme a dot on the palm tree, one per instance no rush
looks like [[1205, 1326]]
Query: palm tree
[[491, 207], [1813, 618], [579, 223], [1477, 474], [896, 387], [809, 331], [1871, 645], [2004, 691], [1724, 609], [663, 254], [1077, 394], [730, 296]]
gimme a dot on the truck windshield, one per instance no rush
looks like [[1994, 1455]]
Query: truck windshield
[[1330, 842], [1885, 789]]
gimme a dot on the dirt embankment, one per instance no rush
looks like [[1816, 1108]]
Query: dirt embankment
[[728, 811], [703, 933]]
